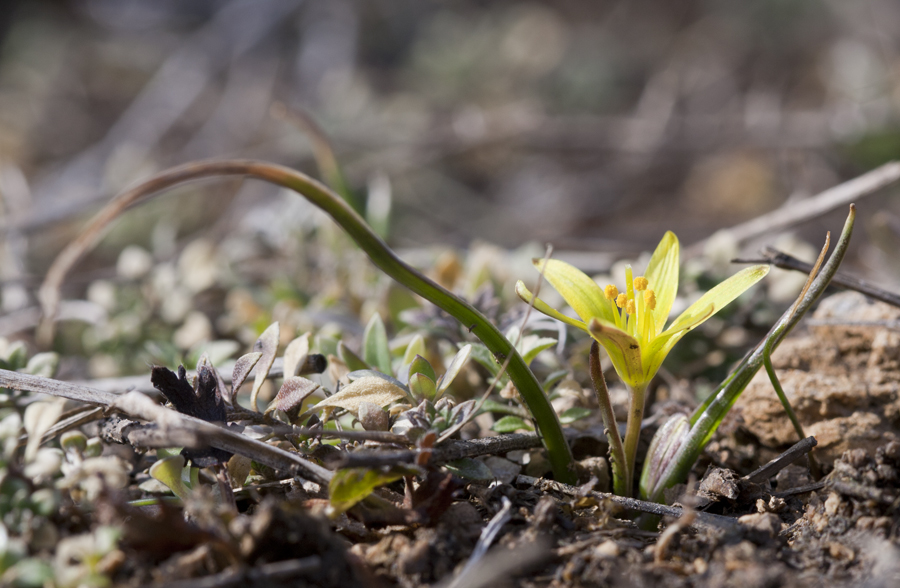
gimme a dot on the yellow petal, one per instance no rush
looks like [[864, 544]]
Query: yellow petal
[[579, 291], [662, 275], [623, 350], [542, 306], [708, 305], [720, 296], [659, 348]]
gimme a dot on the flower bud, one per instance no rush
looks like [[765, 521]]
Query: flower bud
[[664, 448]]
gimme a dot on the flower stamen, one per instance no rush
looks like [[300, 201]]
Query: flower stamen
[[649, 304]]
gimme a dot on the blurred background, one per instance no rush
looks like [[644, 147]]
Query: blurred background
[[593, 125]]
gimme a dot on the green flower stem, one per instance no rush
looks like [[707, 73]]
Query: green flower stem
[[350, 221], [633, 433], [709, 415], [773, 377], [617, 453]]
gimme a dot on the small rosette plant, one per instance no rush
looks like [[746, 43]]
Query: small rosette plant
[[631, 324]]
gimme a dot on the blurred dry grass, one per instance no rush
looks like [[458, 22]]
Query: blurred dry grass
[[592, 125]]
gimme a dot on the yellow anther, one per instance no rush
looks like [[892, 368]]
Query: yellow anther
[[630, 308], [620, 300], [640, 283], [610, 292], [649, 299]]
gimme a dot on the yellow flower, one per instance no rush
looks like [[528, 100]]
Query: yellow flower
[[630, 324]]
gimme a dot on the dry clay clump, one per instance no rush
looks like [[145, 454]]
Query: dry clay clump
[[841, 378]]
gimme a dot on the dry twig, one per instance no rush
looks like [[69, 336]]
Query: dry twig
[[800, 211], [784, 261]]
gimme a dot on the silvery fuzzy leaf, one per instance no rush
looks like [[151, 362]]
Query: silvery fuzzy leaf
[[242, 368], [295, 355], [267, 344], [292, 393], [372, 389]]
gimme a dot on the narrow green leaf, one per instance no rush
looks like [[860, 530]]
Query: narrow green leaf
[[350, 359], [531, 345], [376, 351], [415, 347], [510, 424], [481, 354], [494, 406], [471, 469], [420, 365], [554, 378], [351, 485], [422, 387], [456, 365], [573, 414]]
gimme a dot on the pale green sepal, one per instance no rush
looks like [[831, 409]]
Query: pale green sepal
[[721, 295], [543, 307], [623, 350], [579, 291]]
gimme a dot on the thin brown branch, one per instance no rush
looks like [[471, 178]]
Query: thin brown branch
[[632, 504], [448, 451], [797, 451], [784, 261], [807, 209], [170, 422]]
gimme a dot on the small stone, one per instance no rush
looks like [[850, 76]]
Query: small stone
[[719, 483], [892, 451], [607, 549], [792, 476], [776, 504], [503, 469], [832, 503], [865, 523], [417, 559], [700, 566], [841, 552], [856, 457], [596, 468], [767, 523]]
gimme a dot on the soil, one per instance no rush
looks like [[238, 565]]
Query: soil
[[842, 380]]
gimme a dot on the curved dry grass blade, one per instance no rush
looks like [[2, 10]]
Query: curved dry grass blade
[[382, 256]]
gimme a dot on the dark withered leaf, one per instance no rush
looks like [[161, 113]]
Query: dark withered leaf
[[224, 393], [315, 364], [206, 404], [292, 393]]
